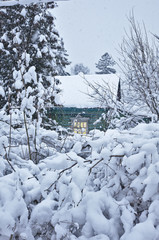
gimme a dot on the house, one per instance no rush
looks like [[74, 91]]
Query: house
[[80, 107]]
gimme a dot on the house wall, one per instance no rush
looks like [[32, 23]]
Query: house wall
[[63, 116]]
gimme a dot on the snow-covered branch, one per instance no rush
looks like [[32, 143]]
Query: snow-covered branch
[[24, 2]]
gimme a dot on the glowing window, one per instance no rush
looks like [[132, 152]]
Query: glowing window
[[84, 124], [80, 125]]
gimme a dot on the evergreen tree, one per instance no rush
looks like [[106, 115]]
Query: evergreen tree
[[31, 55], [28, 38], [105, 64]]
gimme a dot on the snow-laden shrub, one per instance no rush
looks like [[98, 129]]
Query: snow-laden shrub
[[13, 209], [103, 186]]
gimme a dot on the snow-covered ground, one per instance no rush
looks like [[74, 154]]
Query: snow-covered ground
[[103, 186]]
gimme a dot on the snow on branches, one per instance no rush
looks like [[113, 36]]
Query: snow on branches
[[100, 186]]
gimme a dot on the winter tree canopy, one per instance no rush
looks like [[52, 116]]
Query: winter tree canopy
[[29, 39], [140, 65], [105, 64]]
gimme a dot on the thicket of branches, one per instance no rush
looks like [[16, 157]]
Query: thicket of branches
[[140, 65], [137, 97]]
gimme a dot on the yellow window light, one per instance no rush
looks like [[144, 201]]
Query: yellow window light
[[84, 124]]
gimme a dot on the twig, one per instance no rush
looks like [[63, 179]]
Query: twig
[[90, 170], [11, 237], [110, 167], [60, 174], [9, 162], [63, 143], [116, 156], [90, 161], [70, 158], [28, 139]]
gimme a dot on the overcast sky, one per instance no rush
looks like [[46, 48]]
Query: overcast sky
[[92, 27]]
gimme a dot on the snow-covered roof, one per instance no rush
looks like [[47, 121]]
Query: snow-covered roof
[[75, 90]]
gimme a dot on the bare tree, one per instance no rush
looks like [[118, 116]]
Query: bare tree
[[117, 112], [140, 65]]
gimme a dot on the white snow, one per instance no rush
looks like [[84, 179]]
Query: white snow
[[36, 19], [17, 39], [1, 46], [2, 93], [23, 12], [30, 75]]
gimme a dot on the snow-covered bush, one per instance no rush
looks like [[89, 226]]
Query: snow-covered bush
[[101, 186]]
